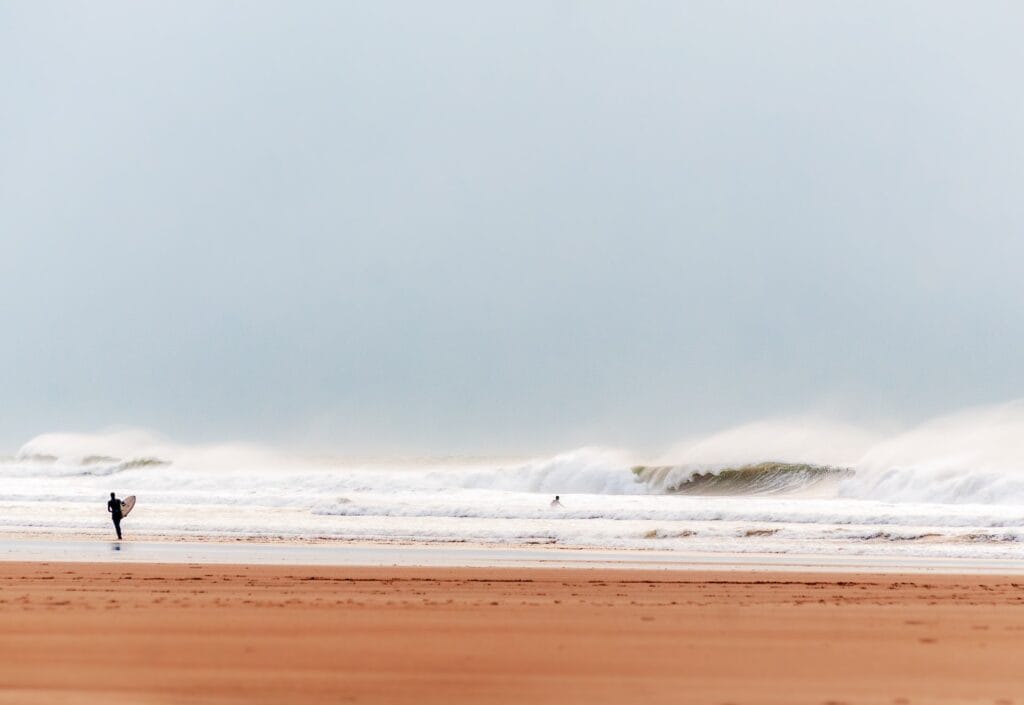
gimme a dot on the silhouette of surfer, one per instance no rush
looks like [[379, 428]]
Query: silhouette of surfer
[[555, 503], [114, 507]]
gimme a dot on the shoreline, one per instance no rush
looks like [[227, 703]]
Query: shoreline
[[170, 634], [448, 555]]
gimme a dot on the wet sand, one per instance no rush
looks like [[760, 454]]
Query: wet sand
[[50, 549], [42, 549], [157, 633]]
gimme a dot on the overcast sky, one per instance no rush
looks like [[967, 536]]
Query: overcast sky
[[505, 226]]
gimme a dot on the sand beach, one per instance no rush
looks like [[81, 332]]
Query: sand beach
[[82, 633]]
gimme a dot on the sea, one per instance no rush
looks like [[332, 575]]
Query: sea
[[947, 488]]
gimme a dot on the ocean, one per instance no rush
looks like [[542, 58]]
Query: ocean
[[948, 488]]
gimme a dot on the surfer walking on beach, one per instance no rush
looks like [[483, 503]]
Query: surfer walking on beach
[[114, 507]]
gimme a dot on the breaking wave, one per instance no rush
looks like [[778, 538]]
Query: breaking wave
[[973, 457], [758, 478], [89, 466]]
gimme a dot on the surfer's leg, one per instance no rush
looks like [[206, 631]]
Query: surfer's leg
[[117, 526]]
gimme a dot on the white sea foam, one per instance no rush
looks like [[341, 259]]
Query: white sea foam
[[953, 486]]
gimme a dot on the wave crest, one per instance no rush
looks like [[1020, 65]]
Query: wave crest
[[756, 478]]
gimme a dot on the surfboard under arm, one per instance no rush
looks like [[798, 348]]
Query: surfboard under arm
[[127, 504]]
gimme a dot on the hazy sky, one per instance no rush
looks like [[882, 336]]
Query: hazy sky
[[509, 226]]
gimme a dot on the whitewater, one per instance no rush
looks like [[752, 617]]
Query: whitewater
[[952, 487]]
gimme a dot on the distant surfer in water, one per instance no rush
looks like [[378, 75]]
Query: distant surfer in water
[[114, 507], [555, 503]]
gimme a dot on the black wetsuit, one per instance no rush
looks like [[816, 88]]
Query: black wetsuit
[[114, 507]]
